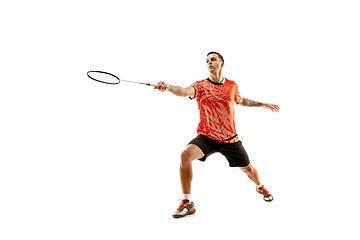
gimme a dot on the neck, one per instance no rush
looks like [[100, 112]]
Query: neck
[[216, 77]]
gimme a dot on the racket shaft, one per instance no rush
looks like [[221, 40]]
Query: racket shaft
[[147, 84]]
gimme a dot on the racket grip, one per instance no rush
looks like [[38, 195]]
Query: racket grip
[[155, 85]]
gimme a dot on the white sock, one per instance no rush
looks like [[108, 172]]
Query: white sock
[[187, 196]]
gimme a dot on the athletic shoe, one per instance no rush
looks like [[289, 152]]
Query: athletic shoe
[[267, 195], [185, 208]]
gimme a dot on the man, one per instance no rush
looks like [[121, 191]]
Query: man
[[215, 96]]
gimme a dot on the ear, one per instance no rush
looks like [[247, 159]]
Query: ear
[[222, 65]]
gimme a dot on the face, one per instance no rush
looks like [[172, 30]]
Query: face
[[214, 64]]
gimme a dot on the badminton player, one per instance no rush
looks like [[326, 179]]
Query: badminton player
[[216, 131]]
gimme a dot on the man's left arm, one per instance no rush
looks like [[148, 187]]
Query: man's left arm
[[250, 103]]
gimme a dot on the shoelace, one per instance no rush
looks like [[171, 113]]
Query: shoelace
[[182, 205], [264, 191]]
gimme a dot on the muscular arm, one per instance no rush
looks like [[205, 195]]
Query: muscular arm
[[250, 103], [182, 92], [176, 90]]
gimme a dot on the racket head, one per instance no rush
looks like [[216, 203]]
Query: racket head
[[103, 77]]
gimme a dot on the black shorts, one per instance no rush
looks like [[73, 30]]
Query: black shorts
[[234, 152]]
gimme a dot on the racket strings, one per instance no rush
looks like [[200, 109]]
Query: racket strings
[[103, 77]]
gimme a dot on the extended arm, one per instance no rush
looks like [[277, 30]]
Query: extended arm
[[250, 103], [176, 90]]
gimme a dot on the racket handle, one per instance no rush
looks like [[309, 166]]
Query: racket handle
[[155, 85]]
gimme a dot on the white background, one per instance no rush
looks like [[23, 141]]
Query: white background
[[84, 160]]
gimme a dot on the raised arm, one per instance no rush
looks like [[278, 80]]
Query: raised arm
[[250, 103], [176, 90]]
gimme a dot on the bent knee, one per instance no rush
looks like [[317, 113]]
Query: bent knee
[[186, 156], [248, 169], [191, 153]]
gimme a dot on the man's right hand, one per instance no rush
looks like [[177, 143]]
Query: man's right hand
[[162, 86]]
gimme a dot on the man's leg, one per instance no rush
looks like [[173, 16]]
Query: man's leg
[[190, 153], [254, 176], [251, 173]]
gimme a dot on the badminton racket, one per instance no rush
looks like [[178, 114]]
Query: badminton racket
[[109, 78]]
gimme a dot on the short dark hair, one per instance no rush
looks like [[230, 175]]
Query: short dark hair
[[220, 56]]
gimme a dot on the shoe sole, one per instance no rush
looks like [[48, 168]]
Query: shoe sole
[[181, 216], [272, 198], [268, 200]]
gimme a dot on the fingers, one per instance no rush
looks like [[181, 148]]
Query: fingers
[[161, 86], [272, 107]]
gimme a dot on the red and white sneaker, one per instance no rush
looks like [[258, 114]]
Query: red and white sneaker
[[267, 195], [186, 208]]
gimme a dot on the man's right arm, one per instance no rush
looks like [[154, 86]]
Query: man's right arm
[[177, 90], [182, 92]]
